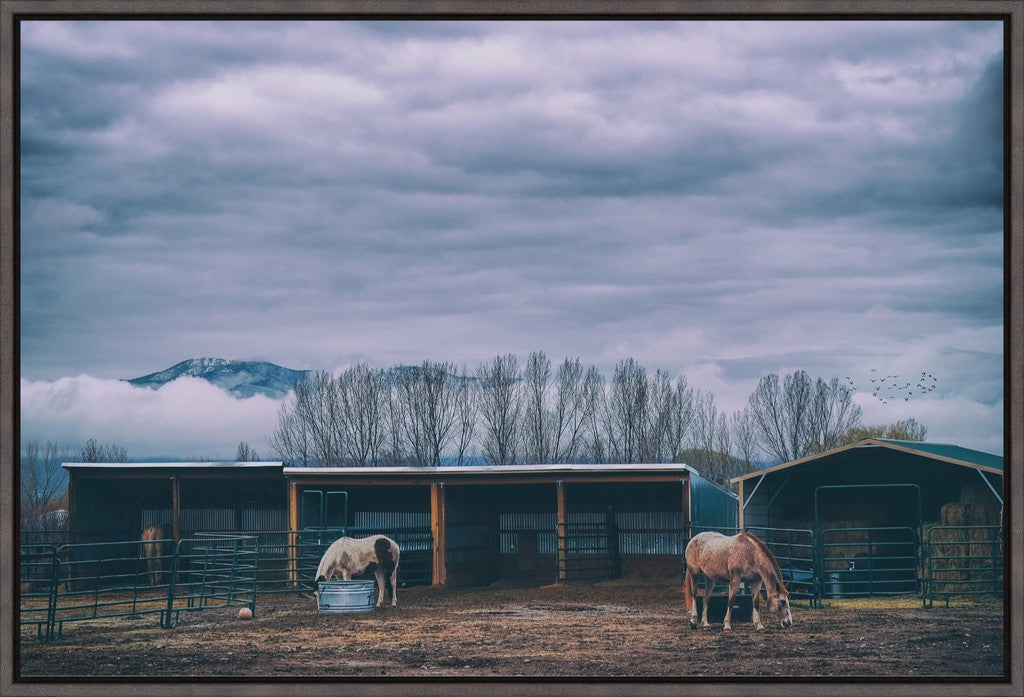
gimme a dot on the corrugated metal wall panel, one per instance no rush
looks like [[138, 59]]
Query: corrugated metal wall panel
[[156, 515], [264, 519], [711, 506], [527, 521], [207, 520], [391, 520], [511, 524], [411, 530], [649, 520]]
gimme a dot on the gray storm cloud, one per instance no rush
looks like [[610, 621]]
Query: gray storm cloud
[[723, 199]]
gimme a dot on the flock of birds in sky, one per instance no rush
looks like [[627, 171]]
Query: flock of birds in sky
[[884, 388]]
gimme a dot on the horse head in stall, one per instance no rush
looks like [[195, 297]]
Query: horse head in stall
[[734, 559], [348, 556]]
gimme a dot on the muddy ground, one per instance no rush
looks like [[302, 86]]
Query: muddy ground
[[576, 630]]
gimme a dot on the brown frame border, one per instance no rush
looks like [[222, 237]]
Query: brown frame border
[[1011, 11]]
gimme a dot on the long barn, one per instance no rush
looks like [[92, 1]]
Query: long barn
[[529, 524]]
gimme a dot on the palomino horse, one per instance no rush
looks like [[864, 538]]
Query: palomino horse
[[347, 556], [734, 559], [157, 547]]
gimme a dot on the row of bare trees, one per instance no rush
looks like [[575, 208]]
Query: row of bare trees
[[366, 417], [507, 413], [43, 482]]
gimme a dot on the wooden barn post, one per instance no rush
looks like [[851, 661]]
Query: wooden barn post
[[293, 532], [739, 522], [686, 513], [176, 506], [438, 527]]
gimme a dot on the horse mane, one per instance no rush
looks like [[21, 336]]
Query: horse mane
[[759, 543]]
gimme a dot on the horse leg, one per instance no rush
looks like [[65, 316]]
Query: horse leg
[[394, 587], [734, 585], [379, 574], [755, 591], [709, 585]]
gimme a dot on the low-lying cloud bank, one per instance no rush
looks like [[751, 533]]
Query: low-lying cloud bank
[[187, 418], [190, 418]]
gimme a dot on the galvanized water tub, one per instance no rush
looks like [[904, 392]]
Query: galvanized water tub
[[347, 596]]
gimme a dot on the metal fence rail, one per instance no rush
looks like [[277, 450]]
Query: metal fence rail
[[103, 580], [963, 560], [855, 562], [38, 573], [62, 583], [212, 570], [591, 551]]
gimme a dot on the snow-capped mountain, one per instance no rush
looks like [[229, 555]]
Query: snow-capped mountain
[[240, 378]]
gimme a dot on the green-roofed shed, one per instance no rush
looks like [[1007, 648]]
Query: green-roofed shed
[[875, 482]]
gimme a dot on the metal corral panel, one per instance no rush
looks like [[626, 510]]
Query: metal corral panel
[[710, 505]]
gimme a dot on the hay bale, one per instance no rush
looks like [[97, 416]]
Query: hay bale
[[947, 549], [985, 514], [976, 493], [962, 555], [953, 514]]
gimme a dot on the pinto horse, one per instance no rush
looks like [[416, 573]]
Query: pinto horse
[[736, 558], [157, 547], [348, 555]]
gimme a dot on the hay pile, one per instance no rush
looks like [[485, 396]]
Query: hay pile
[[965, 546]]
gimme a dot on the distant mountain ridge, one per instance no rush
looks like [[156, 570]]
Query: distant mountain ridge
[[240, 378]]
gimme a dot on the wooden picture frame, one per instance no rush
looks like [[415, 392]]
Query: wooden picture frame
[[1010, 11]]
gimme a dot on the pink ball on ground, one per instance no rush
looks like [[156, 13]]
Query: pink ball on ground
[[245, 613]]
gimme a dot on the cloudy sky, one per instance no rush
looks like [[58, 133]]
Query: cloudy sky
[[716, 199]]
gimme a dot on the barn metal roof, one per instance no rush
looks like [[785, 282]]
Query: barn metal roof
[[493, 469], [943, 452], [156, 465], [950, 452]]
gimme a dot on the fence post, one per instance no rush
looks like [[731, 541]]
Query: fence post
[[926, 569], [165, 617], [255, 576], [51, 607]]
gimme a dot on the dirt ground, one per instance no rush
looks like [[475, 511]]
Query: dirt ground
[[631, 629]]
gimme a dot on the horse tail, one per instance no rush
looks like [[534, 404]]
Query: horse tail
[[387, 561], [689, 588]]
